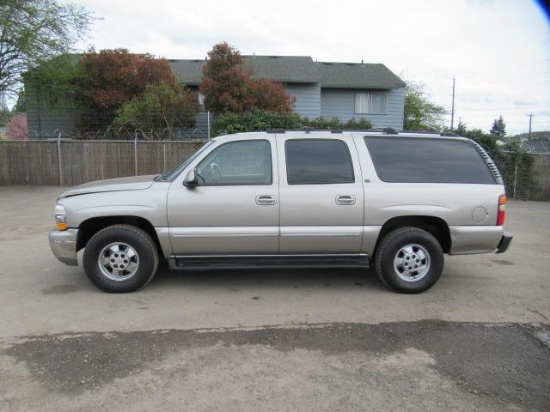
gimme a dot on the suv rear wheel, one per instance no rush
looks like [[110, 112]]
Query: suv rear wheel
[[120, 258], [409, 260]]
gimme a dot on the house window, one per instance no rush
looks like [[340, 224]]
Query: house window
[[370, 103]]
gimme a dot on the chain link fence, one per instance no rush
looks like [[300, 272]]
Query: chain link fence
[[73, 162]]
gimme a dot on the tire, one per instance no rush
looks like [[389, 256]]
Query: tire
[[409, 260], [120, 258]]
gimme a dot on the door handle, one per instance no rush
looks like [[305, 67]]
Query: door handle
[[345, 200], [264, 200]]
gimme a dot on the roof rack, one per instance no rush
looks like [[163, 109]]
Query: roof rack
[[386, 130]]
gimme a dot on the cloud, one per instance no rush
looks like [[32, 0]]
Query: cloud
[[498, 51]]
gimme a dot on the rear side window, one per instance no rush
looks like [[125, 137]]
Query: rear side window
[[430, 160], [318, 161]]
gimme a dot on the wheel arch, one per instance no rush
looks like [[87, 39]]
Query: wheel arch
[[90, 227], [433, 225]]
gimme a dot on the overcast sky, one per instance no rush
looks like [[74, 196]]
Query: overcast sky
[[497, 50]]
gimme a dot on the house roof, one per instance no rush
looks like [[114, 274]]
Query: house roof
[[300, 69], [537, 145], [189, 72], [284, 69], [358, 76]]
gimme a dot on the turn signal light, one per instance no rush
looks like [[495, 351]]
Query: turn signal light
[[61, 226], [501, 215]]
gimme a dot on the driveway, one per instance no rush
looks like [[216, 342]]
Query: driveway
[[319, 340]]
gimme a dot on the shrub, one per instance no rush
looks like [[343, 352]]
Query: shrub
[[261, 120]]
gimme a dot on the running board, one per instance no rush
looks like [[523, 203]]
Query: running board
[[267, 262]]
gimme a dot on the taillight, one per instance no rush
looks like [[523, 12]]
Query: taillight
[[501, 216]]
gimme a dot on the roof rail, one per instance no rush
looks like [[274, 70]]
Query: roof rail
[[448, 134], [387, 130]]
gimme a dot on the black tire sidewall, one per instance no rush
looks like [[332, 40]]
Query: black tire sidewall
[[388, 249], [139, 240]]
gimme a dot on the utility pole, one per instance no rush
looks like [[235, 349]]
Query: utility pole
[[453, 107], [530, 115]]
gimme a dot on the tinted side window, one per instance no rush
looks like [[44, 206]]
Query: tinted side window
[[430, 160], [237, 163], [318, 161]]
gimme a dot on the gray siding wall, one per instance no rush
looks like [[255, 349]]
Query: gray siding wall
[[44, 125], [340, 103], [308, 99]]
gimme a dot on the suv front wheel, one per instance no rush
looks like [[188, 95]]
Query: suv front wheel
[[120, 258], [409, 260]]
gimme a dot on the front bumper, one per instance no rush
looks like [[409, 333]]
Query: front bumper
[[63, 245], [504, 243]]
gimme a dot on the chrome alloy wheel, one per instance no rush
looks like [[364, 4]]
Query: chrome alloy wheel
[[118, 261], [411, 263]]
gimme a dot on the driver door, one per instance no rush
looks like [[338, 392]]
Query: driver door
[[234, 209]]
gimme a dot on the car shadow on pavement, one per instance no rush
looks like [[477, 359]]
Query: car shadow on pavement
[[284, 279]]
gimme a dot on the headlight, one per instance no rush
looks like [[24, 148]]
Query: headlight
[[60, 222]]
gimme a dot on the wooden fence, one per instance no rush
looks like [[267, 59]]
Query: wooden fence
[[73, 162], [541, 172]]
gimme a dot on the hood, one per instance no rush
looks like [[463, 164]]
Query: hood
[[112, 185]]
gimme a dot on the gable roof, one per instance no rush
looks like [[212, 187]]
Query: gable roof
[[300, 69]]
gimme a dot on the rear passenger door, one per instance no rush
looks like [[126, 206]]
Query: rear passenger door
[[321, 196]]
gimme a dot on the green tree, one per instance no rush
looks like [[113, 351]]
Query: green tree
[[160, 109], [513, 163], [5, 114], [420, 112], [499, 128], [52, 85], [461, 129], [34, 31]]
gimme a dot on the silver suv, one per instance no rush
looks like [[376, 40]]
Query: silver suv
[[395, 201]]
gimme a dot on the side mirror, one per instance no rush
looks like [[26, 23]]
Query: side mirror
[[191, 179]]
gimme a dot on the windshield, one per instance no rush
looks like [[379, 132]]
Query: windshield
[[178, 169]]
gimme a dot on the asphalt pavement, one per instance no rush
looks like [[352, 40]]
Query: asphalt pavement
[[272, 340]]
